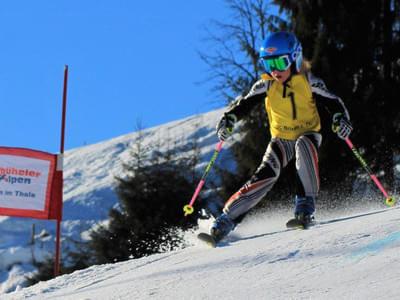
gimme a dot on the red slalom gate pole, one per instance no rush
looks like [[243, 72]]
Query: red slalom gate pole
[[64, 107]]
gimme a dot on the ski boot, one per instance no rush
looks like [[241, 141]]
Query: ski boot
[[221, 227], [303, 215]]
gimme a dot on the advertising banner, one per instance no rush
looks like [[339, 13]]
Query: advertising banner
[[30, 184]]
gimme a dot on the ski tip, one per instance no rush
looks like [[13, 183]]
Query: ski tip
[[208, 239], [295, 226]]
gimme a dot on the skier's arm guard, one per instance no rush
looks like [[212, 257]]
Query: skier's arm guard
[[332, 103], [242, 106]]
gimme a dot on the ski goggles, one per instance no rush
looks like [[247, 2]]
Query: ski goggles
[[280, 63]]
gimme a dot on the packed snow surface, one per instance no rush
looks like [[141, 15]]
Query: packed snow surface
[[347, 257]]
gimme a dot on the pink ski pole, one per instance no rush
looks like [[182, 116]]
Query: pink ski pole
[[389, 200], [188, 209]]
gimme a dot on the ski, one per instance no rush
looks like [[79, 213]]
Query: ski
[[297, 224], [292, 224], [207, 238]]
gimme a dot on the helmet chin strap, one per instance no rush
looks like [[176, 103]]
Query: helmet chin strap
[[293, 69]]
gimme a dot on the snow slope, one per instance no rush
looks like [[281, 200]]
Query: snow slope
[[354, 257], [89, 179]]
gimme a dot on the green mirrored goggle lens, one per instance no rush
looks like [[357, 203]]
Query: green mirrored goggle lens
[[279, 63]]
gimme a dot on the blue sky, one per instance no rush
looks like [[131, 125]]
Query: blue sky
[[128, 61]]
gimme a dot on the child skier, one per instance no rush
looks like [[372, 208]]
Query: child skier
[[291, 94]]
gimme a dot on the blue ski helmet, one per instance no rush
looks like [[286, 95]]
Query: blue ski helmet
[[281, 43]]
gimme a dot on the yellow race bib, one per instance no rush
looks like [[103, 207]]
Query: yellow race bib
[[292, 110]]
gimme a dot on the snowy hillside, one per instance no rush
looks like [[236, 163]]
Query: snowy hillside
[[347, 258], [89, 178]]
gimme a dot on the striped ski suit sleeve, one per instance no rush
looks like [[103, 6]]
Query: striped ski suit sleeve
[[332, 103], [241, 106]]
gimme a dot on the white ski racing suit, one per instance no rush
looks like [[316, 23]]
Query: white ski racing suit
[[294, 124]]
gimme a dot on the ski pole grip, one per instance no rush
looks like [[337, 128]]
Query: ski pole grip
[[233, 118]]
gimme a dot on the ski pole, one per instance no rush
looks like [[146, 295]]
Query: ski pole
[[188, 209], [389, 200]]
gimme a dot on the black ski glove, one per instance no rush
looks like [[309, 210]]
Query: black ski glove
[[341, 126], [225, 126]]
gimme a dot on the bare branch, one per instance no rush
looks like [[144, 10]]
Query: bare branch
[[232, 60]]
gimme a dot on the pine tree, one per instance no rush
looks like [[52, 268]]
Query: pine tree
[[150, 216], [354, 47]]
